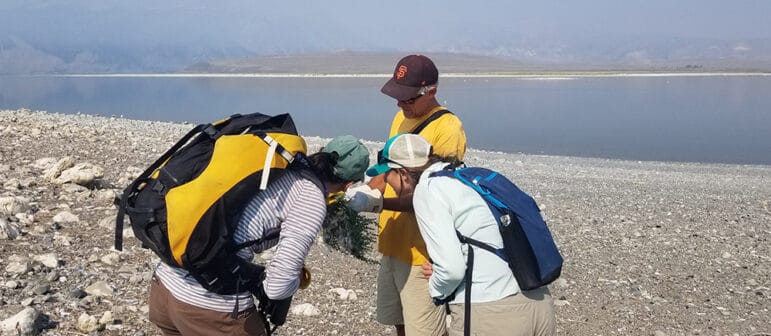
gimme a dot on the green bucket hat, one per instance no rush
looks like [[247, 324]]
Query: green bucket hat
[[353, 157]]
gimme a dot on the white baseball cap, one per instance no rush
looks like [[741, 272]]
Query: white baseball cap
[[404, 150]]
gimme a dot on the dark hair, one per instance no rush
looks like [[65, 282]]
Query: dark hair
[[415, 173], [324, 164]]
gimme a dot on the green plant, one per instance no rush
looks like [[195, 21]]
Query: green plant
[[348, 231]]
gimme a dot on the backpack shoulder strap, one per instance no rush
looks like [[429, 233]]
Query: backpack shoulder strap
[[472, 176], [489, 199], [469, 276], [270, 235], [425, 123]]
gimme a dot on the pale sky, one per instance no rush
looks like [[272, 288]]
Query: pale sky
[[570, 31], [390, 21]]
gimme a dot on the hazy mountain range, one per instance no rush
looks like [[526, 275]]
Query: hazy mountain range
[[111, 36], [22, 56]]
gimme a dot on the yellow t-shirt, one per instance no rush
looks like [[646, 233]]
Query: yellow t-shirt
[[398, 234]]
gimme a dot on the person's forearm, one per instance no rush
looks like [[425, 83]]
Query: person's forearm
[[403, 203]]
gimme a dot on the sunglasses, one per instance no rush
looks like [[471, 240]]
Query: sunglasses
[[383, 160], [421, 93]]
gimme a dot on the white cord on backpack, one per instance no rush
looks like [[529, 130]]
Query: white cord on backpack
[[268, 160]]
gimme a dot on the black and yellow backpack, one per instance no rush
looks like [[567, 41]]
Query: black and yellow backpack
[[186, 205]]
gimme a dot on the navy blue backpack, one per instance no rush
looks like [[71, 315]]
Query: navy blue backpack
[[529, 248]]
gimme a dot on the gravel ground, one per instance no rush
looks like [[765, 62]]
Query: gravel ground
[[651, 248]]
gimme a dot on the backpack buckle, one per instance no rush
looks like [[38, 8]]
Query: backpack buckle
[[159, 187], [505, 220], [211, 131]]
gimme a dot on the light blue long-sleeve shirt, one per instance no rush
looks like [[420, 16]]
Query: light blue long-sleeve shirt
[[443, 205]]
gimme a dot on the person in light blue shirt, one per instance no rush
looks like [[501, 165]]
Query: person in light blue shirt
[[442, 206]]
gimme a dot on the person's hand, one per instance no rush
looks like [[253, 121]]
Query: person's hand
[[428, 269], [364, 199]]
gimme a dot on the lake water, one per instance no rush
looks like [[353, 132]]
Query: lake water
[[723, 119]]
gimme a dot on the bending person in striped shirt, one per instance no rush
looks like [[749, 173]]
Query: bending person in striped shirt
[[295, 205]]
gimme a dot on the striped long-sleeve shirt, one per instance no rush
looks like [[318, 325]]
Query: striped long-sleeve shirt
[[291, 203]]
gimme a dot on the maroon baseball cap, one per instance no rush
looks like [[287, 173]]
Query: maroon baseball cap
[[411, 73]]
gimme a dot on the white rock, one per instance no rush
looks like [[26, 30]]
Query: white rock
[[62, 240], [8, 231], [44, 163], [109, 222], [12, 284], [132, 172], [99, 288], [12, 184], [11, 205], [128, 233], [70, 188], [344, 294], [49, 260], [18, 267], [22, 323], [52, 276], [560, 303], [52, 172], [65, 217], [305, 309], [82, 174], [87, 323], [111, 259], [105, 196], [144, 309], [107, 318], [115, 327], [18, 258], [25, 218]]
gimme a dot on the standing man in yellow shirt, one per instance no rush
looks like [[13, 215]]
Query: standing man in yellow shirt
[[402, 291]]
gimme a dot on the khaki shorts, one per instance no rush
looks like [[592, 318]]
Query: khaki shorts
[[402, 298], [526, 313]]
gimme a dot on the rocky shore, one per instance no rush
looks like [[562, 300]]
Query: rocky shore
[[651, 248]]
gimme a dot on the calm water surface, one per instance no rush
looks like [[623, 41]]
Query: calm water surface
[[695, 119]]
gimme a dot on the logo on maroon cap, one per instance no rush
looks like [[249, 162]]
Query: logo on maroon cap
[[401, 72]]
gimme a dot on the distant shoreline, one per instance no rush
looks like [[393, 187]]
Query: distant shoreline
[[538, 75]]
